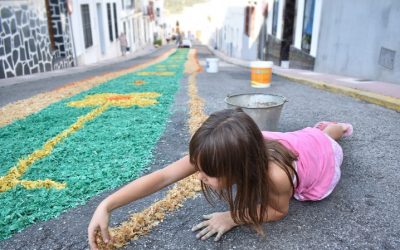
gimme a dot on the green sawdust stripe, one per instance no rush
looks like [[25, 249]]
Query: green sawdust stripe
[[143, 222], [107, 152]]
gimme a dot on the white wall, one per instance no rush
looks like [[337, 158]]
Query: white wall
[[279, 30], [299, 23], [93, 54], [139, 33], [352, 34]]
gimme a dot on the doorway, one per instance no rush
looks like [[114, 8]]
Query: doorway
[[287, 35]]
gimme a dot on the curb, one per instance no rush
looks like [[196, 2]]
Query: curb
[[378, 99]]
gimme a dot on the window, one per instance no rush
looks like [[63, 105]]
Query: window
[[115, 19], [307, 25], [275, 17], [109, 20], [128, 4], [87, 31]]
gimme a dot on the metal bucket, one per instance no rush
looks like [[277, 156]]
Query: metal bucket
[[265, 109]]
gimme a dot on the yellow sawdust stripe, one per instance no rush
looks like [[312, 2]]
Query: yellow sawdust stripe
[[142, 222], [103, 102], [11, 179], [20, 109]]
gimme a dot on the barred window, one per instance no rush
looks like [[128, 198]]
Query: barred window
[[115, 20], [87, 31], [109, 19]]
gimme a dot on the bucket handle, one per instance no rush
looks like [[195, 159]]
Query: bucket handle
[[284, 101]]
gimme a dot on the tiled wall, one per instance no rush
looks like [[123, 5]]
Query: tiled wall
[[24, 38]]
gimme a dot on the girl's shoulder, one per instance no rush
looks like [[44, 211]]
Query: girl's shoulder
[[278, 178]]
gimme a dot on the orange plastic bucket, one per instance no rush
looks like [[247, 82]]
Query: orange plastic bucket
[[261, 74]]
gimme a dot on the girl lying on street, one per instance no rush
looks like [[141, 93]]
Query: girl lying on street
[[267, 168]]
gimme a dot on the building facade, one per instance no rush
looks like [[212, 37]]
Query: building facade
[[98, 24], [359, 39], [34, 37], [44, 35]]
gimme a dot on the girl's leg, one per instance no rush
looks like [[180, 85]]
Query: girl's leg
[[335, 131]]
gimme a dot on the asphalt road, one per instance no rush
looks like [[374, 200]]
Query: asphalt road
[[361, 213]]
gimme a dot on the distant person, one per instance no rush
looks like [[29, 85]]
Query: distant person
[[123, 43], [169, 38], [178, 39], [267, 168]]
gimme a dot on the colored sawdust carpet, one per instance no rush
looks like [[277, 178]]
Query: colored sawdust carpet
[[94, 141]]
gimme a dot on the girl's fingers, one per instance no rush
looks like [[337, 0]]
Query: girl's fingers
[[200, 225], [208, 235], [105, 234], [203, 232], [219, 235], [207, 216], [92, 242]]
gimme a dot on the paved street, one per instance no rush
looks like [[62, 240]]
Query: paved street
[[361, 213], [29, 88]]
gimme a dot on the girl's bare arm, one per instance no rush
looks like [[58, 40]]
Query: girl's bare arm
[[135, 190], [280, 193], [149, 184]]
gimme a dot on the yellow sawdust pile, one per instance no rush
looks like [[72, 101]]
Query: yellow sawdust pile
[[141, 223], [23, 108]]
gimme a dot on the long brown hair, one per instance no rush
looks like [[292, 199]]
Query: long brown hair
[[230, 147]]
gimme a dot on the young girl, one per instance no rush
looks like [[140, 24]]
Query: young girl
[[266, 168]]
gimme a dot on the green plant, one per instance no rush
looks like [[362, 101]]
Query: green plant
[[157, 42]]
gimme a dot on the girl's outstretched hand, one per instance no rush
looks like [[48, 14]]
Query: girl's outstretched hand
[[99, 222], [216, 223]]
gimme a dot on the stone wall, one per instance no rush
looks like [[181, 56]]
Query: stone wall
[[25, 46], [300, 59]]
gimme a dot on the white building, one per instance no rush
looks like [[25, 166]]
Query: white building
[[359, 39], [221, 24], [97, 25], [352, 38], [160, 20]]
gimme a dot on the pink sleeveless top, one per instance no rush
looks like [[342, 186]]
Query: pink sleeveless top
[[315, 163]]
